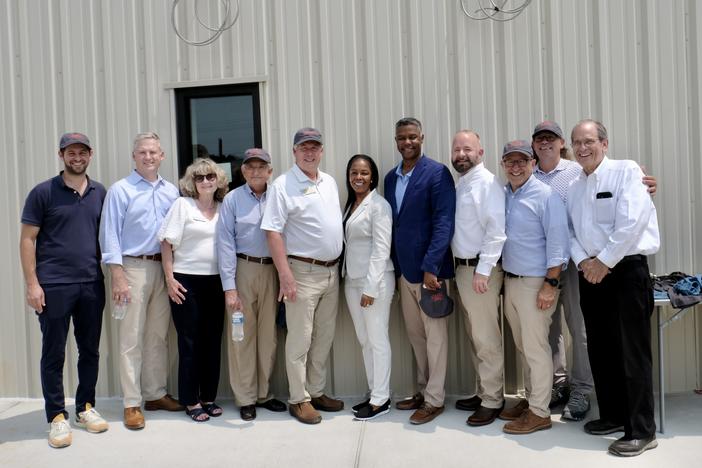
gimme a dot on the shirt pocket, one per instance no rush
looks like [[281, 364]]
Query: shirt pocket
[[605, 210]]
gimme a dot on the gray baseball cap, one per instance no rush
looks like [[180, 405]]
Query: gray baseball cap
[[68, 139]]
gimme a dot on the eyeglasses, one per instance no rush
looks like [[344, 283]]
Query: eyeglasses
[[516, 162], [548, 137], [199, 177]]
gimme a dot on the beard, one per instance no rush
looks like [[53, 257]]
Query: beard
[[463, 166], [73, 171]]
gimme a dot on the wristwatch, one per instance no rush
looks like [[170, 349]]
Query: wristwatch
[[552, 281]]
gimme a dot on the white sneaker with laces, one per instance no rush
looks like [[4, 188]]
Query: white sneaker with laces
[[91, 420], [60, 433]]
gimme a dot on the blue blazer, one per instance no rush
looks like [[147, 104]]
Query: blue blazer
[[422, 227]]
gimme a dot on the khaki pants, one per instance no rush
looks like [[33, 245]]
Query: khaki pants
[[530, 326], [429, 339], [251, 360], [143, 360], [311, 321], [482, 319]]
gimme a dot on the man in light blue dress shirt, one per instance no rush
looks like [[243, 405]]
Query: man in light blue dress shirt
[[535, 252], [250, 284], [132, 215]]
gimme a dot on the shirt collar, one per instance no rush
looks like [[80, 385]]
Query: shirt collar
[[302, 177], [135, 178], [398, 169], [561, 166], [253, 194]]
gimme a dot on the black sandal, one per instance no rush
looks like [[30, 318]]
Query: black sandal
[[212, 409], [196, 414]]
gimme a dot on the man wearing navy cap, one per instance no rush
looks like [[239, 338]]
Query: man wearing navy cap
[[250, 284], [305, 237], [535, 252], [61, 265]]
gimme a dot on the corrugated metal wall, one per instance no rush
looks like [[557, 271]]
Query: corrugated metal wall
[[351, 68]]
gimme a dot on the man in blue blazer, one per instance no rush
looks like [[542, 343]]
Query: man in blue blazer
[[423, 199]]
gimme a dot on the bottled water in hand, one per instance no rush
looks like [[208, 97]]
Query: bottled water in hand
[[238, 326]]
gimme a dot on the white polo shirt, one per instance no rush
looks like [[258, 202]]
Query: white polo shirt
[[612, 214], [480, 218], [307, 213]]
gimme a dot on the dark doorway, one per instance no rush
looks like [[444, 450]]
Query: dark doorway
[[219, 122]]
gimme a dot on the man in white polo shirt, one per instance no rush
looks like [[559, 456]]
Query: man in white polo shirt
[[305, 236]]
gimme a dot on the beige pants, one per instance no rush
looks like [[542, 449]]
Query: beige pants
[[482, 319], [530, 326], [311, 321], [429, 339], [251, 360], [143, 360]]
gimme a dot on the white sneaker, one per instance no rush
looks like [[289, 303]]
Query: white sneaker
[[91, 420], [60, 433]]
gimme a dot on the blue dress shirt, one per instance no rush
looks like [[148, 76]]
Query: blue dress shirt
[[402, 183], [536, 225], [239, 231], [132, 215]]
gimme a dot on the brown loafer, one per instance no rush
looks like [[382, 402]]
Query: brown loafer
[[305, 413], [413, 403], [484, 416], [510, 414], [134, 418], [527, 423], [167, 403], [425, 413], [325, 403]]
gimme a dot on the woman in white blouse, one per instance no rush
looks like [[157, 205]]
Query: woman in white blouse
[[197, 301], [369, 278]]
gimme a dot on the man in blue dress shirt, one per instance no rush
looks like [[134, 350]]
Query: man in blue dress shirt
[[250, 284], [132, 215], [535, 252]]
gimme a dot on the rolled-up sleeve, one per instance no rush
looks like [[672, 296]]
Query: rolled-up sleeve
[[111, 223], [557, 232]]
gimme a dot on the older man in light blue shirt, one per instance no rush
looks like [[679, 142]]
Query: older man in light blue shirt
[[250, 284], [533, 256], [132, 215]]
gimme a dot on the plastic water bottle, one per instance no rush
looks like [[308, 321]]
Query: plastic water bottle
[[119, 309], [237, 326]]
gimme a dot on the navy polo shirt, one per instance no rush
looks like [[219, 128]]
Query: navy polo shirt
[[67, 249]]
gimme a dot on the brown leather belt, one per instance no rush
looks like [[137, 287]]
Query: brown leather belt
[[155, 257], [314, 261], [261, 260]]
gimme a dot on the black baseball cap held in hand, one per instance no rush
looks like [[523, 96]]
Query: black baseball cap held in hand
[[436, 303]]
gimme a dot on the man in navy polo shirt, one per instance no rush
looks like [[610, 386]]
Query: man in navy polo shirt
[[61, 264]]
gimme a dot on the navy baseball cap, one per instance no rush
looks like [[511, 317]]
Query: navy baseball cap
[[436, 303], [548, 126], [518, 146], [257, 153], [68, 139], [307, 134]]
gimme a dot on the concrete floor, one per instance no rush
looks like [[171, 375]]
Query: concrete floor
[[276, 440]]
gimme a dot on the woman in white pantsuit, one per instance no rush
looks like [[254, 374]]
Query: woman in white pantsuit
[[369, 278]]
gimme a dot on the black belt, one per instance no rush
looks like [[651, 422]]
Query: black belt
[[632, 258], [512, 275], [470, 262], [155, 257], [314, 261], [261, 260]]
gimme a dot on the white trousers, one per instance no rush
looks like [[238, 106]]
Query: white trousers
[[371, 324]]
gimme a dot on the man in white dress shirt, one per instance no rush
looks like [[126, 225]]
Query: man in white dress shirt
[[477, 244], [305, 237], [615, 227]]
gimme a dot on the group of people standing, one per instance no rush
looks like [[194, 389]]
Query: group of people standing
[[196, 256]]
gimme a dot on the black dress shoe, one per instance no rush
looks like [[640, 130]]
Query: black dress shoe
[[248, 412], [632, 447], [484, 416], [469, 404], [356, 408], [602, 427], [274, 405]]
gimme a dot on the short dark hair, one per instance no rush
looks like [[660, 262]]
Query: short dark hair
[[374, 177], [403, 122]]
